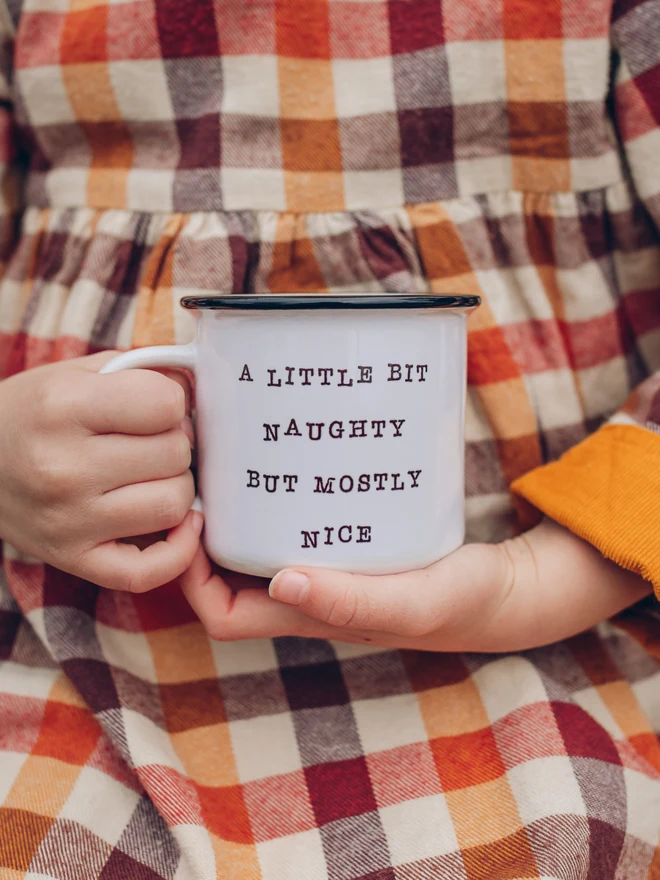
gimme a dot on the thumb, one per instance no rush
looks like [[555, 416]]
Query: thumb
[[412, 604]]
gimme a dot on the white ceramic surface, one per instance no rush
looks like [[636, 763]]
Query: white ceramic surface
[[389, 501]]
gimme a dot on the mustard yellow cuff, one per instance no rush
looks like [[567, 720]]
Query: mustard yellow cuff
[[606, 490]]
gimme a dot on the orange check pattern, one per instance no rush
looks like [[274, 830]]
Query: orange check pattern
[[155, 148]]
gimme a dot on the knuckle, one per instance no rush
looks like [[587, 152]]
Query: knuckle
[[218, 629], [169, 397], [93, 405], [55, 401], [214, 630], [168, 513], [178, 402], [182, 452], [171, 509], [348, 609], [188, 482], [54, 479], [130, 577], [132, 580]]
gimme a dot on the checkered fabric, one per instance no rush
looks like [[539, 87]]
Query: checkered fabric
[[156, 148], [327, 105]]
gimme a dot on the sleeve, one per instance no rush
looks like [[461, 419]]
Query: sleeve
[[606, 489], [12, 174], [11, 165]]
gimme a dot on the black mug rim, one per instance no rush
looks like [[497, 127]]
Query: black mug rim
[[305, 301]]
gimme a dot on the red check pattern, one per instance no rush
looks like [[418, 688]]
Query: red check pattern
[[153, 148]]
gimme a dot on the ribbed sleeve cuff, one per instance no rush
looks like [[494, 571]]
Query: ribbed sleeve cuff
[[606, 490]]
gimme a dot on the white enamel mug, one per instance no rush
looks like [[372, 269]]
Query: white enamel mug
[[329, 428]]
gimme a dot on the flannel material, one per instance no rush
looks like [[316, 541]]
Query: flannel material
[[151, 149], [607, 488]]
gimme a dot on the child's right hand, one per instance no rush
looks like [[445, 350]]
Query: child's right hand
[[89, 459]]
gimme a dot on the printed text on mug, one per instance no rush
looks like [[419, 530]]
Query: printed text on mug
[[335, 429]]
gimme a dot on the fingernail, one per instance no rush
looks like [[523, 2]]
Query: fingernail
[[197, 521], [289, 587]]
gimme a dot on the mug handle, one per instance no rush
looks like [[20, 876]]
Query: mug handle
[[182, 356]]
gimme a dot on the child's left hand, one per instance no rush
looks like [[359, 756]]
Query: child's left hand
[[533, 590]]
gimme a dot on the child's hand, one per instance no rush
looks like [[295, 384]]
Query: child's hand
[[86, 460], [533, 590]]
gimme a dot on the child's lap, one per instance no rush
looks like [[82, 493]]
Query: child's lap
[[279, 758]]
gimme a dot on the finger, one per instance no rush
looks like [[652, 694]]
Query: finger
[[126, 567], [188, 429], [120, 460], [145, 508], [249, 613], [131, 402], [412, 604], [185, 380], [93, 363]]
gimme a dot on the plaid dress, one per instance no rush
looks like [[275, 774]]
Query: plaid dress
[[155, 148]]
